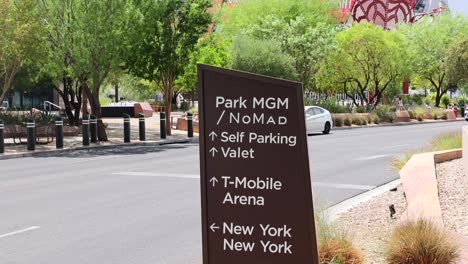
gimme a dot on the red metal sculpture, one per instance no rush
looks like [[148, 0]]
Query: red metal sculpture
[[386, 13]]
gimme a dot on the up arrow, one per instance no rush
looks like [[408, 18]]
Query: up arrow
[[213, 227], [213, 135], [213, 151], [214, 181]]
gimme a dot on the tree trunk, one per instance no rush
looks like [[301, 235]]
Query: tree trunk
[[116, 87], [168, 102], [85, 104], [438, 97], [65, 94], [2, 96], [93, 98]]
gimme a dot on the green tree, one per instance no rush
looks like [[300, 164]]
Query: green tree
[[262, 57], [61, 22], [211, 50], [164, 33], [368, 59], [21, 38], [456, 62], [86, 40], [254, 12], [429, 40], [307, 44], [303, 29]]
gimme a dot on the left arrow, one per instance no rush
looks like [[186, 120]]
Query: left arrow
[[213, 227]]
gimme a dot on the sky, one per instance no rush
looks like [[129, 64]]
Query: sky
[[459, 5]]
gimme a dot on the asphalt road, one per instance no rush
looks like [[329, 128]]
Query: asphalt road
[[141, 205]]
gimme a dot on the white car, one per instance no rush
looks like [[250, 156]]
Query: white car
[[318, 120]]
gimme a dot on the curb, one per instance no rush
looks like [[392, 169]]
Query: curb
[[332, 213], [399, 124], [98, 147]]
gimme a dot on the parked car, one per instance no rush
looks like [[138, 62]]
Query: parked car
[[466, 113], [318, 120]]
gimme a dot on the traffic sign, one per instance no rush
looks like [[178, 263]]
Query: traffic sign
[[255, 181]]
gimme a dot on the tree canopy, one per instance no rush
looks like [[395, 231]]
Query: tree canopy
[[163, 34], [367, 58], [21, 40], [428, 41], [456, 62]]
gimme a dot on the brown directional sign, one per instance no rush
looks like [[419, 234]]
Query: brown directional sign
[[255, 180]]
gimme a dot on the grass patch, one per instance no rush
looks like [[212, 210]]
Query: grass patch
[[446, 141], [421, 242], [335, 244]]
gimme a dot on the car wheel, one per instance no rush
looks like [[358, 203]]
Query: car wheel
[[327, 128]]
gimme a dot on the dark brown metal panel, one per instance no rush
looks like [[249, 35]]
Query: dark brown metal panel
[[255, 180], [201, 123]]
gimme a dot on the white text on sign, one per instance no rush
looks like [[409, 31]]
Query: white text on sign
[[256, 103]]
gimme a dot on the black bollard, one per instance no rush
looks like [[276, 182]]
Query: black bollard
[[2, 140], [93, 128], [85, 130], [142, 128], [59, 132], [190, 125], [162, 122], [126, 128], [31, 127]]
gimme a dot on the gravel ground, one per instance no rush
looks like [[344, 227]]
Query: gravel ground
[[453, 195], [370, 224]]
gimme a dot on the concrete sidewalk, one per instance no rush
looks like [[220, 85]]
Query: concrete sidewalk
[[114, 130]]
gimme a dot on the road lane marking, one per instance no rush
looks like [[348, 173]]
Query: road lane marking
[[343, 186], [396, 146], [151, 174], [375, 157], [196, 176], [20, 231]]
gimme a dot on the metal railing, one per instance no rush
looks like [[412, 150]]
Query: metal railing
[[48, 106]]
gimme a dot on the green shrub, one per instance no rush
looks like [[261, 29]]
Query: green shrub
[[262, 57], [369, 118], [418, 113], [421, 242], [331, 105], [347, 121], [443, 115], [338, 121], [361, 109], [335, 244], [435, 116], [376, 120], [381, 110], [356, 120], [390, 117], [363, 121], [412, 115], [428, 101], [462, 100], [445, 100], [418, 100]]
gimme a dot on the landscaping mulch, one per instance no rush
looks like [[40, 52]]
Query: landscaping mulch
[[370, 224], [453, 195]]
